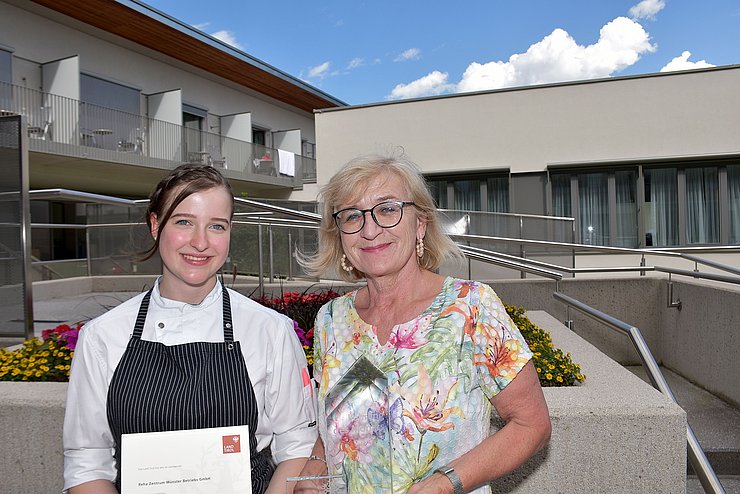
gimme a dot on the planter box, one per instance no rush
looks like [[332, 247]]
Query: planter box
[[614, 433]]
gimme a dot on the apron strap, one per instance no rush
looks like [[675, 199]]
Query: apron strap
[[228, 326], [141, 316]]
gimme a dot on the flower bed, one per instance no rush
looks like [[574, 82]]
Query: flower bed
[[49, 358]]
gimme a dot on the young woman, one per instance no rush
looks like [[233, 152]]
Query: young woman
[[188, 354]]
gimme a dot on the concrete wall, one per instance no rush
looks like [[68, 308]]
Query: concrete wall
[[614, 433], [698, 341]]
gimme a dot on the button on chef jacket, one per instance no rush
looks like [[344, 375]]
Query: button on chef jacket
[[273, 355]]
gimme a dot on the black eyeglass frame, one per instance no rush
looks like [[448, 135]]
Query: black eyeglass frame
[[371, 210]]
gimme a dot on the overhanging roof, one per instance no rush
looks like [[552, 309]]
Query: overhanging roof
[[155, 30]]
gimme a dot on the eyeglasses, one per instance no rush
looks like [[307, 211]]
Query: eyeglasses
[[386, 215]]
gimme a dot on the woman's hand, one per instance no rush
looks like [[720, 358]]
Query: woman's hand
[[434, 484], [315, 465]]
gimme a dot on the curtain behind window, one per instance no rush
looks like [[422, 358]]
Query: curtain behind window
[[702, 205], [467, 195], [593, 200], [661, 207], [733, 184], [498, 194], [438, 189], [626, 188], [561, 195]]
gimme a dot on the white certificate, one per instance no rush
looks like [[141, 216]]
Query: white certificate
[[203, 461]]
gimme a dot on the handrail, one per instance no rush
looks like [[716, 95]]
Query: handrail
[[510, 264], [279, 209], [704, 471], [610, 269], [713, 264], [698, 275]]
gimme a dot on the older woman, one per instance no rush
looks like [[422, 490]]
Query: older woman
[[445, 348]]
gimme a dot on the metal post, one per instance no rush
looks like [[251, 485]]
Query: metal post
[[290, 256], [642, 263], [270, 254], [261, 270], [87, 251]]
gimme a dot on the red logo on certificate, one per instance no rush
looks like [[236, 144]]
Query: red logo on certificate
[[232, 444]]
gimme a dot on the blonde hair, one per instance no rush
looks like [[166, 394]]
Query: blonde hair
[[344, 186]]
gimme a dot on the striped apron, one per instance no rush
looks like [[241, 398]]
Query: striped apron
[[190, 386]]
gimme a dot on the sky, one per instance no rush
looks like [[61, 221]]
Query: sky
[[363, 51]]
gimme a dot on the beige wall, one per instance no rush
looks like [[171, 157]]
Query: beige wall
[[675, 115]]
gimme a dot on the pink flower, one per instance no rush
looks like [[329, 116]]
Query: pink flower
[[407, 336]]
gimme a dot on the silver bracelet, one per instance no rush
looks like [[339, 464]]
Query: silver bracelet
[[453, 477], [314, 457]]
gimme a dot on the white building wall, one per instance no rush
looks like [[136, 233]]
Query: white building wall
[[672, 115], [38, 39]]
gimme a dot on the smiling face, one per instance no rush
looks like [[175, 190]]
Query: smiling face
[[194, 243], [378, 251]]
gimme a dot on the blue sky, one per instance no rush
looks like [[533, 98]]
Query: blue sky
[[370, 51]]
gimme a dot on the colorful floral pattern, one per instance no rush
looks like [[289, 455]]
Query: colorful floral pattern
[[442, 368]]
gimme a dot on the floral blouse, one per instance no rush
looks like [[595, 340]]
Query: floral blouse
[[439, 370]]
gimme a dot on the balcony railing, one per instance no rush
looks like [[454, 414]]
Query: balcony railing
[[61, 125]]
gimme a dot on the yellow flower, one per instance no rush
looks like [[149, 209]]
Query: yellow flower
[[548, 376], [559, 379]]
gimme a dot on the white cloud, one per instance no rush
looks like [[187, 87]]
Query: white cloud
[[647, 9], [682, 63], [431, 84], [355, 62], [319, 71], [557, 57], [410, 54], [228, 38]]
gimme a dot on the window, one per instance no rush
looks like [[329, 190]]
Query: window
[[733, 184], [702, 205], [438, 188], [561, 195], [661, 207], [498, 194], [259, 137], [488, 192], [626, 198], [97, 91], [467, 195], [6, 77], [593, 204]]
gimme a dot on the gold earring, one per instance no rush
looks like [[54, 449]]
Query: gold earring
[[419, 247], [345, 266]]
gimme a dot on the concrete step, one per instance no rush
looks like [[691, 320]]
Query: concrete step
[[716, 425]]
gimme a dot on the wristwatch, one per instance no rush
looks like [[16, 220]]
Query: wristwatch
[[453, 477]]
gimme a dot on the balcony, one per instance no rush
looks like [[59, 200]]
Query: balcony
[[66, 127]]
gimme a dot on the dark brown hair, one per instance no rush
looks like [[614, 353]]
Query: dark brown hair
[[184, 180]]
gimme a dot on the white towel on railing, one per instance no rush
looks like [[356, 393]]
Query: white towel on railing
[[287, 162]]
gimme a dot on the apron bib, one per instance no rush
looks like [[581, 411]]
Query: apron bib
[[190, 386]]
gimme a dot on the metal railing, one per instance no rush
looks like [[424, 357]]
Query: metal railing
[[65, 126], [698, 459]]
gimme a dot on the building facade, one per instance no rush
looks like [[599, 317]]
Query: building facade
[[115, 93], [640, 162]]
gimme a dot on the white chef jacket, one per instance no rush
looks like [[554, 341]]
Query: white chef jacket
[[273, 354]]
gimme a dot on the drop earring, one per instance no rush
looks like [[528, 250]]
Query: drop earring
[[419, 247], [345, 266]]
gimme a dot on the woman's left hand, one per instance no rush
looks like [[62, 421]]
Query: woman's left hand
[[434, 484]]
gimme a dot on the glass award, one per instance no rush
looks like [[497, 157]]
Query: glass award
[[356, 409]]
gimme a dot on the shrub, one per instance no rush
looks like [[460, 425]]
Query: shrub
[[49, 358]]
